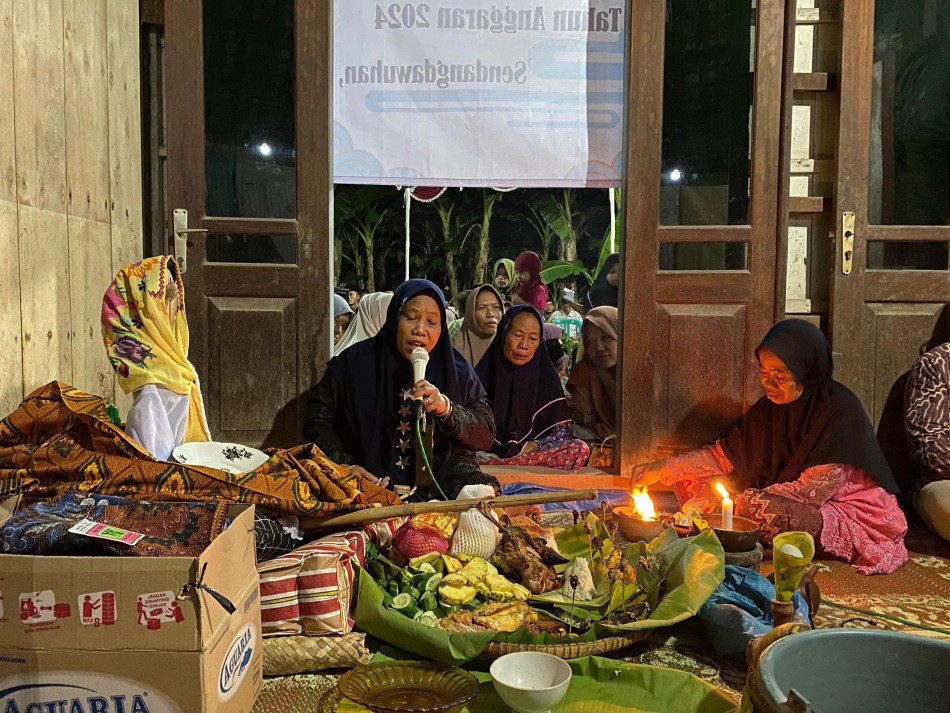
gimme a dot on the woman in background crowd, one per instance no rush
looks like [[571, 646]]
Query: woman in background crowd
[[927, 422], [504, 275], [483, 312], [532, 420], [605, 292], [342, 314], [368, 321], [593, 383]]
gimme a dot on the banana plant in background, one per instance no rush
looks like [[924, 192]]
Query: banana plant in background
[[361, 215], [567, 222], [454, 216], [533, 198], [489, 198]]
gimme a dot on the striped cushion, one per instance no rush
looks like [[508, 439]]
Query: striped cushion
[[307, 591]]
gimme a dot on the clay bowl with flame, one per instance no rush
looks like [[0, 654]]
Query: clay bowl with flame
[[639, 521], [741, 538]]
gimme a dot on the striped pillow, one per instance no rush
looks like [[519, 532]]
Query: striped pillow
[[308, 591]]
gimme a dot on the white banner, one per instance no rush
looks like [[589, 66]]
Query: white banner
[[470, 93]]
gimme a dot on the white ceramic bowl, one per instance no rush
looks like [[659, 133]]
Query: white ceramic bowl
[[530, 681]]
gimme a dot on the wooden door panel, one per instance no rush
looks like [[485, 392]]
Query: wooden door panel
[[892, 335], [699, 372], [252, 350]]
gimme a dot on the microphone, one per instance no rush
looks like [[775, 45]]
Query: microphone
[[419, 358]]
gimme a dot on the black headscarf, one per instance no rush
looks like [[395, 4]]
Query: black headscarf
[[371, 374], [527, 400], [775, 443], [602, 293]]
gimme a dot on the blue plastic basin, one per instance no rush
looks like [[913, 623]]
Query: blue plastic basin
[[858, 671]]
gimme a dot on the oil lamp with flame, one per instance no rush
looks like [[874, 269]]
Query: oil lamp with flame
[[639, 522]]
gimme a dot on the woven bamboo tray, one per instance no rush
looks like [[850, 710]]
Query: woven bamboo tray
[[287, 655], [496, 649]]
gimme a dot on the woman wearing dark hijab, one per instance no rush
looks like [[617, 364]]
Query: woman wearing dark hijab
[[804, 457], [533, 423], [605, 292], [361, 412]]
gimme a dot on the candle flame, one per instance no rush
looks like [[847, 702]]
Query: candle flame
[[642, 503], [722, 491]]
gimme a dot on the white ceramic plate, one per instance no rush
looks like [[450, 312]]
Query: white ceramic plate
[[230, 457]]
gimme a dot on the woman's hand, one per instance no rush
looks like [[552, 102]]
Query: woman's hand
[[648, 473], [530, 447], [363, 474], [433, 401]]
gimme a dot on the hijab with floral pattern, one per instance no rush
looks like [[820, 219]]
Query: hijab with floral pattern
[[146, 334]]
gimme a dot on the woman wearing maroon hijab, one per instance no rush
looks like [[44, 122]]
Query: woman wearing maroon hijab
[[804, 457], [529, 289]]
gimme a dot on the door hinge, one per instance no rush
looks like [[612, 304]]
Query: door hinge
[[847, 241]]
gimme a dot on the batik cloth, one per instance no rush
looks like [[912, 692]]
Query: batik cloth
[[841, 506], [559, 449], [61, 439], [168, 529]]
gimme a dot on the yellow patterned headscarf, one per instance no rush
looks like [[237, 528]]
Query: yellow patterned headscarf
[[145, 345]]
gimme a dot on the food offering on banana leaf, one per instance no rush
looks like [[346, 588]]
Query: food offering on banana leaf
[[539, 580]]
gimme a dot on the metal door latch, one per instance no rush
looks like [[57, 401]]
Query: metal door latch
[[847, 241], [181, 230]]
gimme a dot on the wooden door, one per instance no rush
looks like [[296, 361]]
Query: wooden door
[[248, 116], [705, 215], [894, 176]]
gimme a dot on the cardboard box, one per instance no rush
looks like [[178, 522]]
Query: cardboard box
[[133, 634]]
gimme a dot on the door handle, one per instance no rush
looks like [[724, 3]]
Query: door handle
[[847, 241], [181, 231]]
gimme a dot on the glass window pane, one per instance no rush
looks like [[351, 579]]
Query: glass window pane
[[707, 109], [704, 256], [907, 256], [909, 177], [281, 249], [250, 156]]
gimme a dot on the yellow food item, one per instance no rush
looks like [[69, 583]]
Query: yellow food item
[[477, 570], [457, 594], [502, 617], [502, 589], [429, 558], [452, 565], [455, 580], [444, 523]]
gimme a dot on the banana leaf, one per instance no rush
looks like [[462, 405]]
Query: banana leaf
[[600, 685], [682, 576]]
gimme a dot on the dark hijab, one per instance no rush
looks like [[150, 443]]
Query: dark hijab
[[775, 443], [527, 400], [371, 375], [602, 293]]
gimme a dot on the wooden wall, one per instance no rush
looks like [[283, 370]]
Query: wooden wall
[[70, 186]]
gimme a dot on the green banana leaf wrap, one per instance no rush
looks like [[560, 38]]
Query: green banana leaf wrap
[[675, 577], [600, 685]]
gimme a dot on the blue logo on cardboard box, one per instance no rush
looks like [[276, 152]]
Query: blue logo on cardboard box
[[80, 692], [236, 662]]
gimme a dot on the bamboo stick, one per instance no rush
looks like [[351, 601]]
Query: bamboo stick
[[390, 511]]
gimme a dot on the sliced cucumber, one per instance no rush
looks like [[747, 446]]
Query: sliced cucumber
[[432, 583], [428, 601], [413, 592], [427, 568], [403, 601], [427, 617]]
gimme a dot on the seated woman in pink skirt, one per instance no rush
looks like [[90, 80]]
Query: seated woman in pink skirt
[[804, 457], [532, 420]]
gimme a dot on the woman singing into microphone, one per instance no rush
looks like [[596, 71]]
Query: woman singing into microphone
[[361, 413]]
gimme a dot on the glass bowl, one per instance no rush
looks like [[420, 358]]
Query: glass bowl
[[408, 686]]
